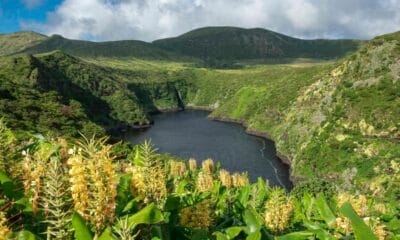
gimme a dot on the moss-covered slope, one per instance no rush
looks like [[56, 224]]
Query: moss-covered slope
[[343, 125]]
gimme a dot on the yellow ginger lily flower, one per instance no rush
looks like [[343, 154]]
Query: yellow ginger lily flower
[[199, 216], [4, 230], [278, 211], [192, 164], [208, 166], [204, 182], [225, 178]]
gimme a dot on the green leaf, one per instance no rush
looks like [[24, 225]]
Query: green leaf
[[308, 203], [324, 210], [253, 225], [181, 187], [296, 236], [131, 204], [82, 232], [24, 205], [232, 232], [148, 215], [318, 230], [361, 230], [8, 187], [220, 236], [261, 191], [107, 235], [244, 195], [254, 236], [25, 235], [123, 193], [137, 157]]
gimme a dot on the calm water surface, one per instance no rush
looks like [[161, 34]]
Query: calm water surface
[[189, 134]]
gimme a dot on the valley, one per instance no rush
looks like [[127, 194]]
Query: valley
[[331, 107]]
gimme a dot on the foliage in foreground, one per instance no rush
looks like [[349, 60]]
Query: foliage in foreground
[[89, 190]]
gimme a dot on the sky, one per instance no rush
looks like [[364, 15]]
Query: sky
[[103, 20]]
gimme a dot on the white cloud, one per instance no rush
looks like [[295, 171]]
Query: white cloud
[[303, 15], [153, 19], [30, 4]]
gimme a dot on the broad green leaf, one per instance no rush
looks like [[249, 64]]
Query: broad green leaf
[[82, 232], [318, 230], [251, 221], [244, 195], [361, 230], [308, 203], [254, 236], [232, 232], [148, 215], [107, 235], [324, 210], [220, 236], [25, 235], [303, 235], [123, 193]]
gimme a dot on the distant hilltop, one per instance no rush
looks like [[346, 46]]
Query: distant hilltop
[[219, 43]]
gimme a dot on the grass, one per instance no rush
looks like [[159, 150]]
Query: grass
[[17, 42]]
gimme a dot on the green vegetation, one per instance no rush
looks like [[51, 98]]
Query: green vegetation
[[88, 190], [337, 124], [19, 41], [216, 47], [127, 48], [230, 43], [61, 94], [342, 125]]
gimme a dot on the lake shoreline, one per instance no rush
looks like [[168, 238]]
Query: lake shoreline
[[282, 157]]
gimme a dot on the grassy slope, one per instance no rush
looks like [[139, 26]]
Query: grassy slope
[[347, 118], [19, 41]]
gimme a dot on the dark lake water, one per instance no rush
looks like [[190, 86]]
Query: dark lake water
[[189, 134]]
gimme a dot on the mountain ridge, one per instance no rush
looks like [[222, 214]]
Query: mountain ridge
[[239, 43], [219, 43]]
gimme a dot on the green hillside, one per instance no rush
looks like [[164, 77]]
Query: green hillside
[[19, 41], [230, 43], [126, 48], [343, 127], [105, 97]]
